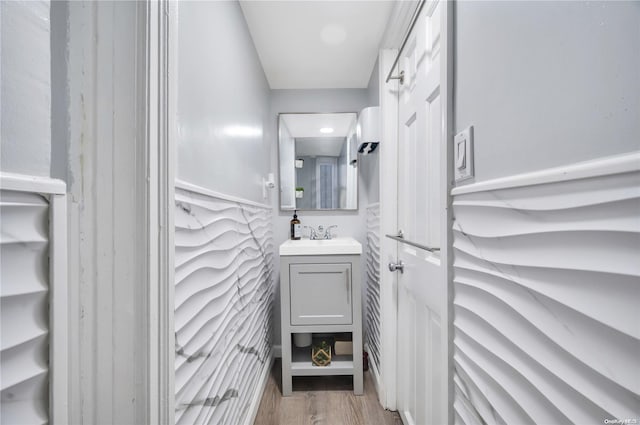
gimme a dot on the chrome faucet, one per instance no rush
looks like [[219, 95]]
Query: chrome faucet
[[321, 233]]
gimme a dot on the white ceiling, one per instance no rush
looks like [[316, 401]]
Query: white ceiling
[[317, 44], [309, 125]]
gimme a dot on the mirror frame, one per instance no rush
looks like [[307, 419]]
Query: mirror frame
[[357, 208]]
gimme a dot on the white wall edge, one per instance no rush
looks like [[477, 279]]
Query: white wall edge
[[257, 396], [617, 164], [160, 111], [26, 183], [58, 311], [388, 224], [180, 184], [447, 176]]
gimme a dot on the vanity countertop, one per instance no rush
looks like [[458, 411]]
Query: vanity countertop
[[336, 246]]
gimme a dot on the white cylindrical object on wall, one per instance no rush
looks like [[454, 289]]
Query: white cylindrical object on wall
[[369, 125], [368, 129]]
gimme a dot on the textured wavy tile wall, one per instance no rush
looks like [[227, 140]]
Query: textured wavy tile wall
[[547, 320], [24, 311], [223, 306], [372, 265]]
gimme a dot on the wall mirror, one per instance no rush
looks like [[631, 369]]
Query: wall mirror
[[318, 167]]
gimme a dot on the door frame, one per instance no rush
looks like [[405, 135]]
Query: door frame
[[160, 126], [388, 387]]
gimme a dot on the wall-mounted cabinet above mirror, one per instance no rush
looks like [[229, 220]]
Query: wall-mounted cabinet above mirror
[[318, 167]]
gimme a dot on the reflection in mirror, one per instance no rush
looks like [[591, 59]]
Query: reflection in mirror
[[318, 161]]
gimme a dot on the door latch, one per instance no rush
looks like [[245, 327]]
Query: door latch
[[397, 266]]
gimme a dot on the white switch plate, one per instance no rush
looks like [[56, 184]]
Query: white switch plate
[[463, 154]]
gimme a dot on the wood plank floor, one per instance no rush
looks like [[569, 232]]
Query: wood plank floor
[[326, 400]]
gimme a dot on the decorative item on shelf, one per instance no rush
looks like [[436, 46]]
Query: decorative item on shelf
[[344, 348], [299, 192], [302, 340], [299, 163], [321, 352], [343, 345]]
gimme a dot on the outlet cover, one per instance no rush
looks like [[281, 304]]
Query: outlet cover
[[463, 154]]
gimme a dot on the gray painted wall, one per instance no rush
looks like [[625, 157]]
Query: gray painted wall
[[224, 127], [373, 88], [546, 83], [25, 82], [60, 90]]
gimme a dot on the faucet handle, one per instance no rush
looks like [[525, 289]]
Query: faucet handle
[[327, 233]]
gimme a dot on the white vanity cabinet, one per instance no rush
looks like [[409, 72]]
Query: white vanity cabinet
[[321, 295]]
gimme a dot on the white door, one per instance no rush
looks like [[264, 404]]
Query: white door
[[326, 182], [423, 393]]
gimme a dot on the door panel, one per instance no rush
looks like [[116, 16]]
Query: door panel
[[422, 288]]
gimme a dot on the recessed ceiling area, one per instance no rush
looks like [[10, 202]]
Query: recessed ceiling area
[[309, 125], [317, 44]]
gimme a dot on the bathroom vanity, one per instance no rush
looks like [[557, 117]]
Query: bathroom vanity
[[320, 294]]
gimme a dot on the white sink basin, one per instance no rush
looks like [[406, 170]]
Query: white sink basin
[[337, 246]]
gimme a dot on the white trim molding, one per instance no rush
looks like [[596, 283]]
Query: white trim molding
[[180, 184], [617, 164], [120, 188], [388, 225], [59, 311], [161, 54], [33, 184]]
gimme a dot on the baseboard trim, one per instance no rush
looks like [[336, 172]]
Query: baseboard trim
[[377, 380], [257, 396]]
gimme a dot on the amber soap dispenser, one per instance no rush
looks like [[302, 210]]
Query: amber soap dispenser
[[296, 228]]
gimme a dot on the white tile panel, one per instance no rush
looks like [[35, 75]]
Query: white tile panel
[[546, 292], [372, 273], [223, 306], [24, 308]]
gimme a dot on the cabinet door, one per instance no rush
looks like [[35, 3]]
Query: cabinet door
[[320, 294]]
